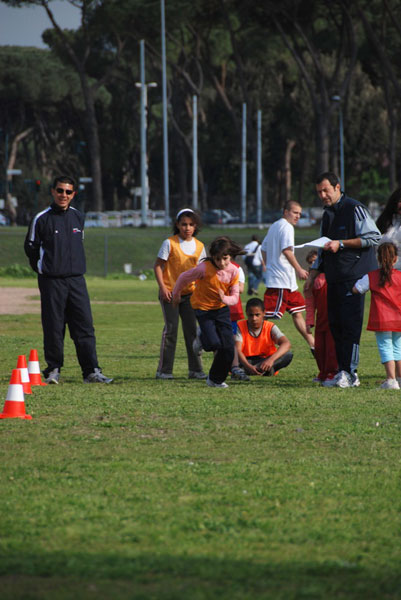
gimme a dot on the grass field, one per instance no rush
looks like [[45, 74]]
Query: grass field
[[276, 489]]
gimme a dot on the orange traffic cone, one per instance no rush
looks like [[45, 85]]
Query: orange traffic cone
[[14, 406], [34, 369], [23, 369]]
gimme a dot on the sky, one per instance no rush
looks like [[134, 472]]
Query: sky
[[24, 26]]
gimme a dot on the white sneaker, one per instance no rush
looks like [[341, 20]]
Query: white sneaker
[[355, 380], [343, 380], [211, 383], [390, 384]]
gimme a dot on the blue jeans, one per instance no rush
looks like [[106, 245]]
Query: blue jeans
[[217, 336], [255, 275]]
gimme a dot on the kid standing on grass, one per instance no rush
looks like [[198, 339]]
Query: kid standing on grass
[[216, 289], [316, 306], [177, 254], [385, 311]]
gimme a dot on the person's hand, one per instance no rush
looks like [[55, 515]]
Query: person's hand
[[166, 295], [176, 299], [252, 370], [266, 365], [302, 274], [309, 328], [332, 246]]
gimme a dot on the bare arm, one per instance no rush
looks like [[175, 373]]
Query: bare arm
[[313, 273], [290, 256], [158, 268]]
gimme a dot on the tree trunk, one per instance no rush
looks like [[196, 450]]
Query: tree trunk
[[12, 210], [92, 133], [322, 142], [287, 169]]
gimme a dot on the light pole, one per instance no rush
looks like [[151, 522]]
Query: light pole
[[259, 169], [243, 166], [165, 132], [341, 131], [144, 159], [195, 152]]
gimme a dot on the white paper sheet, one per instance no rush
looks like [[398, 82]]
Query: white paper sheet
[[319, 243]]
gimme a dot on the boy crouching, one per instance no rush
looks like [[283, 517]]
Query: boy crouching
[[262, 347]]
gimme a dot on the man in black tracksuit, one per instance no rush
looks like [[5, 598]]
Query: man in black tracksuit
[[54, 246], [347, 257]]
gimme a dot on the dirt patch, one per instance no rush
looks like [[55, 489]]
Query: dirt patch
[[21, 301], [18, 301]]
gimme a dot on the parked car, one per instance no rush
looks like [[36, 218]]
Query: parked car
[[306, 220], [268, 216], [95, 219], [218, 216]]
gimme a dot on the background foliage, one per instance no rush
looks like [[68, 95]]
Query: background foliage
[[79, 102]]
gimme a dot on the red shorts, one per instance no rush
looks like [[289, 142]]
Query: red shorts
[[278, 300]]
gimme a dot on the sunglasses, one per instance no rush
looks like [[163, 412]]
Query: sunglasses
[[62, 190]]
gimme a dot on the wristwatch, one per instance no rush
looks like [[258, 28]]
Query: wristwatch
[[341, 245]]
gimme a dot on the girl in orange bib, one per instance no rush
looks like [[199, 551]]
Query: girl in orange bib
[[216, 289], [177, 254]]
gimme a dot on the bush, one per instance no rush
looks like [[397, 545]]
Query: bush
[[16, 270]]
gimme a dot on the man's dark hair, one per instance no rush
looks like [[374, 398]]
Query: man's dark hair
[[289, 203], [63, 179], [254, 303], [331, 177]]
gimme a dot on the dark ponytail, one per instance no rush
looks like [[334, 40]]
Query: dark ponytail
[[386, 254]]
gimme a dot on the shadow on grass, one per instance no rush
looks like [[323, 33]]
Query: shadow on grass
[[62, 576]]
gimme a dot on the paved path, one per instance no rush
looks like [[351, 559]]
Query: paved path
[[20, 301]]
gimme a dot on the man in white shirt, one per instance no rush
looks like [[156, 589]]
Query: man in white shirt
[[282, 268]]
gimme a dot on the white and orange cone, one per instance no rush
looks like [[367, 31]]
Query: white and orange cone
[[34, 369], [14, 406], [23, 369]]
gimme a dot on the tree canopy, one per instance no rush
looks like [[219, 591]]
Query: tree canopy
[[286, 59]]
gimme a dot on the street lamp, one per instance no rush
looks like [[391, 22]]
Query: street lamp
[[144, 159], [340, 118]]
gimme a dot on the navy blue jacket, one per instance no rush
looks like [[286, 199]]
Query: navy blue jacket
[[338, 223], [54, 242]]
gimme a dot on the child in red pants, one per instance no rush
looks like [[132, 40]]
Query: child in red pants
[[325, 351]]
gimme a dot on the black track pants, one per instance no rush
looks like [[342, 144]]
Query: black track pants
[[65, 301]]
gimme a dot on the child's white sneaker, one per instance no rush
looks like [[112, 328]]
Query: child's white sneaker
[[214, 384], [390, 384]]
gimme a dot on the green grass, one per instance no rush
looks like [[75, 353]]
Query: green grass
[[126, 245], [275, 489]]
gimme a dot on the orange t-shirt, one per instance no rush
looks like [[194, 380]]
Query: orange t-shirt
[[178, 262], [206, 296]]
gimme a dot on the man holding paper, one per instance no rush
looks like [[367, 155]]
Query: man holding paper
[[344, 259]]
